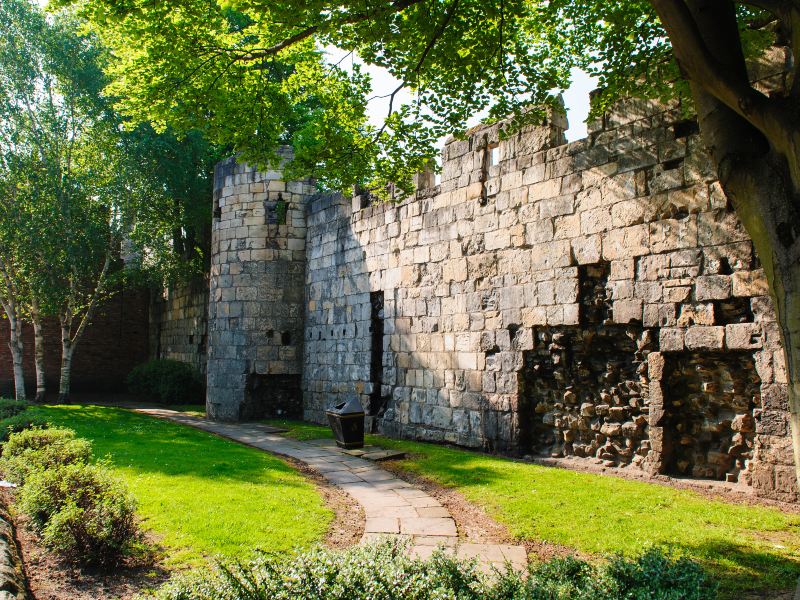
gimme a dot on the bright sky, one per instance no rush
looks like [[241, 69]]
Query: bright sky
[[576, 98]]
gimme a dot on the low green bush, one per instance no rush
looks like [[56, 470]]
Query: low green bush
[[166, 381], [383, 571], [20, 422], [82, 512], [32, 450], [10, 407]]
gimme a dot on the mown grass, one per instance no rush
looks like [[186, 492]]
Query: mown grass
[[199, 494], [747, 548]]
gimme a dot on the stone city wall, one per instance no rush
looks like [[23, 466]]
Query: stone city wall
[[179, 323], [597, 299]]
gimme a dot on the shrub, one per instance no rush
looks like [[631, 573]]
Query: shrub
[[167, 381], [32, 450], [82, 512], [20, 422], [384, 571], [10, 408]]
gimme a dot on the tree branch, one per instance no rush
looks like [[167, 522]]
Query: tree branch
[[703, 69], [396, 6], [451, 11]]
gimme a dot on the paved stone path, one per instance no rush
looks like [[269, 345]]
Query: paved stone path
[[392, 506]]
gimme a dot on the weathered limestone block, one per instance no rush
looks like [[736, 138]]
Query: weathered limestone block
[[713, 287], [749, 283], [704, 338]]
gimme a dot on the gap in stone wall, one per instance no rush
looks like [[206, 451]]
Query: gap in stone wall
[[377, 404], [581, 394], [709, 428], [583, 388], [272, 396]]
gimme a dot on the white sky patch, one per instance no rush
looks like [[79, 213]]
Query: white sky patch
[[576, 98]]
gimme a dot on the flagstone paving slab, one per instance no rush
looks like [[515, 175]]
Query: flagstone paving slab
[[393, 507]]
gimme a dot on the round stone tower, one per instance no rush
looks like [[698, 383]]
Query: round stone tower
[[255, 314]]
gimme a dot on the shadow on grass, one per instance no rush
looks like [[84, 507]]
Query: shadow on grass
[[150, 445], [740, 569]]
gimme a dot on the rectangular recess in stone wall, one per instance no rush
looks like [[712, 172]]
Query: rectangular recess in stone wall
[[581, 395], [377, 403], [272, 396], [709, 427]]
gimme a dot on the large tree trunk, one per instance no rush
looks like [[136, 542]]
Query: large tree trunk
[[756, 177], [67, 350], [38, 340]]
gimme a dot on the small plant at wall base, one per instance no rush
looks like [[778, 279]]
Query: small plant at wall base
[[15, 416], [166, 381]]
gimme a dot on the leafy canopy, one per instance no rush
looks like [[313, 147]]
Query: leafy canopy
[[251, 74], [76, 188]]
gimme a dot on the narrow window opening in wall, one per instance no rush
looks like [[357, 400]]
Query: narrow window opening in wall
[[709, 421], [494, 154], [595, 305], [217, 210], [191, 339], [683, 129], [270, 333], [281, 209], [377, 403], [672, 164], [202, 345], [286, 338]]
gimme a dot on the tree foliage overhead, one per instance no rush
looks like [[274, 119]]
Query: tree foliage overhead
[[251, 73]]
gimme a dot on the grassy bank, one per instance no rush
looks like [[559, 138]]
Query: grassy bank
[[745, 547], [200, 495]]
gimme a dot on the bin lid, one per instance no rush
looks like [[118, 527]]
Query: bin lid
[[348, 407]]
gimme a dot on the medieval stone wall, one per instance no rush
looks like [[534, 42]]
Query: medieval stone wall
[[546, 296], [179, 323], [256, 287]]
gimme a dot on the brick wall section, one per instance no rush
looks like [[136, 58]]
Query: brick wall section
[[179, 324], [114, 343], [256, 304], [480, 269]]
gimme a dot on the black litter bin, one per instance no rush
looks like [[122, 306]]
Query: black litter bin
[[347, 422]]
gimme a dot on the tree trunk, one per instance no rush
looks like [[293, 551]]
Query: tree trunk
[[753, 166], [16, 346], [38, 340], [67, 349]]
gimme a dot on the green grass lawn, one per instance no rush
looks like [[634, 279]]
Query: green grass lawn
[[199, 494], [746, 547]]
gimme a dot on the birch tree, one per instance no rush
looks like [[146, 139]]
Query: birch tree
[[78, 184]]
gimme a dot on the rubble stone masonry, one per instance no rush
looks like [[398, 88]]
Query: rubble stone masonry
[[597, 300]]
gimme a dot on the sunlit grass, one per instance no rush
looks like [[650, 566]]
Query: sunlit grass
[[746, 547], [199, 494]]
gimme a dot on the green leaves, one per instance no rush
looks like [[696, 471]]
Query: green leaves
[[78, 187], [249, 74]]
